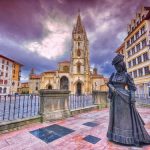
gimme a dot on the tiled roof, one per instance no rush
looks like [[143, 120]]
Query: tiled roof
[[35, 76], [10, 60]]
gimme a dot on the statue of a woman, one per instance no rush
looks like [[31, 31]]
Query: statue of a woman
[[125, 124]]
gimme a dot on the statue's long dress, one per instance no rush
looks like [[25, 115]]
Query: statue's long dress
[[125, 124]]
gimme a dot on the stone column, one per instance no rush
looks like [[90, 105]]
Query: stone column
[[100, 98], [54, 104]]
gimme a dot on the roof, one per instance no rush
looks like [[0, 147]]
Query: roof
[[10, 60], [66, 61], [50, 71], [146, 18], [120, 47], [25, 83], [97, 76], [35, 76]]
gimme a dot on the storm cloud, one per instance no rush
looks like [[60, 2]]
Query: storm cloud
[[37, 33]]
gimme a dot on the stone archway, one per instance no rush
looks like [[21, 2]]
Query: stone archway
[[64, 83], [79, 88]]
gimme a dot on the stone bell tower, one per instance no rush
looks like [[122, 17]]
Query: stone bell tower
[[80, 67]]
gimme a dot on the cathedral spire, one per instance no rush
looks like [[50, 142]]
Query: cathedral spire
[[79, 27]]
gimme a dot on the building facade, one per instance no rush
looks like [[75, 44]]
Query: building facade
[[24, 88], [137, 50], [34, 82], [10, 72], [75, 75]]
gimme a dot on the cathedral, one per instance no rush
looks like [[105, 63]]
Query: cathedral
[[75, 74]]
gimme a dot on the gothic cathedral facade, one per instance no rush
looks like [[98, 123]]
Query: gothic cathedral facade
[[74, 75]]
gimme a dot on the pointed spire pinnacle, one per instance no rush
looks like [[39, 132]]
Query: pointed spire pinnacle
[[79, 11], [79, 26]]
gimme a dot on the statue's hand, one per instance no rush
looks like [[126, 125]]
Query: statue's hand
[[112, 88]]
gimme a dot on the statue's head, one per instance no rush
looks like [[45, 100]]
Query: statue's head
[[119, 63]]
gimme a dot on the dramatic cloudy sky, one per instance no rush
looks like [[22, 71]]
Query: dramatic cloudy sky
[[37, 33]]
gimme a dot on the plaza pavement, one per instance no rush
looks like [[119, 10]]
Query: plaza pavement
[[24, 140]]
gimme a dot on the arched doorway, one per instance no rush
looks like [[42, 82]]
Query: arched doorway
[[64, 83], [79, 88], [49, 87]]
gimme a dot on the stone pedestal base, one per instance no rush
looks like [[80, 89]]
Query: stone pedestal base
[[54, 104]]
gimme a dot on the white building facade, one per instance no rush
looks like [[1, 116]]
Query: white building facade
[[5, 75]]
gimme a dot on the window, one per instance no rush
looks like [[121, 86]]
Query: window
[[0, 89], [143, 17], [129, 53], [78, 52], [2, 73], [2, 66], [146, 70], [130, 73], [139, 59], [128, 44], [137, 35], [1, 81], [133, 50], [78, 43], [132, 39], [6, 68], [3, 61], [140, 72], [143, 43], [4, 90], [36, 88], [138, 47], [135, 73], [7, 63], [78, 68], [13, 83], [6, 75], [5, 82], [134, 62], [129, 64], [143, 30], [149, 91], [145, 56]]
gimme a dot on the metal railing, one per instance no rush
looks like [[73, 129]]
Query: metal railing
[[80, 101], [14, 107]]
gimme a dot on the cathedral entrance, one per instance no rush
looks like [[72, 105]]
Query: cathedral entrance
[[79, 88], [64, 83], [49, 87]]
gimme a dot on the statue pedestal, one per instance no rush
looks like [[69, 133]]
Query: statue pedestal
[[54, 104]]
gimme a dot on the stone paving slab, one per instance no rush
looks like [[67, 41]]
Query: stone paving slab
[[24, 140]]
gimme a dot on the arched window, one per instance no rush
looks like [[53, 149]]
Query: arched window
[[36, 88], [78, 67], [64, 83], [79, 88], [78, 52]]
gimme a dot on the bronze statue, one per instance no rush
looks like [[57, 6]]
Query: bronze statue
[[125, 124]]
